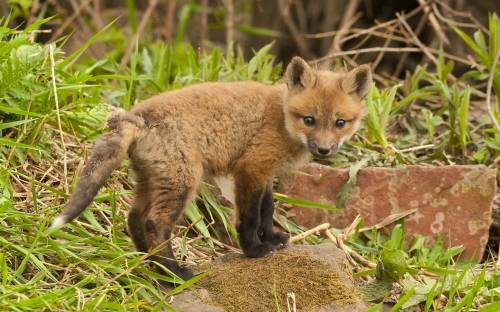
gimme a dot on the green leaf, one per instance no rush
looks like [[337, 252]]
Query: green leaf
[[394, 264], [304, 203], [350, 184], [492, 307], [36, 24], [403, 300], [73, 57]]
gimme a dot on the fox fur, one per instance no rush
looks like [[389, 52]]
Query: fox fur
[[248, 130]]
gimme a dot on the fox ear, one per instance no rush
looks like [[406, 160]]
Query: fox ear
[[299, 75], [358, 81]]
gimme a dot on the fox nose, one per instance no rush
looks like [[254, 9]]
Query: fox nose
[[323, 150]]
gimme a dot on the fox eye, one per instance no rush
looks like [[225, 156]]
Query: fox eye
[[309, 120], [340, 123]]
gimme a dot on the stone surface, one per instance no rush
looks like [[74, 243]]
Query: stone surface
[[199, 299], [453, 200], [194, 301]]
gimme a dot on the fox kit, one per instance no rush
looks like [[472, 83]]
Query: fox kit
[[245, 129]]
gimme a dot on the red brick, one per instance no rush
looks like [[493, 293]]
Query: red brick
[[454, 200]]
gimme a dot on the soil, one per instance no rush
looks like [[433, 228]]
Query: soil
[[264, 284]]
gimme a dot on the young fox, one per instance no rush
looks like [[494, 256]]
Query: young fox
[[245, 129]]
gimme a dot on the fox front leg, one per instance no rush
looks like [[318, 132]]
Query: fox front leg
[[266, 233], [248, 202]]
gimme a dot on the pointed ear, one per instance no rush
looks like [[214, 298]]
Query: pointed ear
[[358, 81], [299, 75]]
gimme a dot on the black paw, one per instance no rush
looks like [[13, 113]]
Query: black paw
[[278, 239], [184, 273], [259, 250]]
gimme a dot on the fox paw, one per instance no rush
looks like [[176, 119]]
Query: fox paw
[[277, 239], [259, 250]]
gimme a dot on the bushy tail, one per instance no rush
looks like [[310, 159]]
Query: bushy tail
[[107, 154]]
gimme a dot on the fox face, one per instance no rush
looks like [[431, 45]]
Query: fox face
[[323, 109]]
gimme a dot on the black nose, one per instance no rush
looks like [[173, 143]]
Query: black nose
[[323, 151]]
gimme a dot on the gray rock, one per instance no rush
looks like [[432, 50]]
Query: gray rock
[[198, 300]]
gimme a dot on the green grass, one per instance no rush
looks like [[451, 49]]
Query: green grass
[[91, 265]]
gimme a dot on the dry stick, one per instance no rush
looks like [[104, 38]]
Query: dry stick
[[292, 28], [35, 5], [69, 20], [345, 24], [360, 44], [450, 21], [169, 20], [498, 256], [140, 31], [345, 236], [468, 15], [360, 31], [354, 255], [96, 6], [351, 228], [229, 21], [415, 38], [488, 93], [396, 38], [381, 54], [203, 22], [366, 50], [434, 22], [402, 60], [305, 234], [56, 99], [416, 148], [382, 25], [293, 306], [388, 220], [301, 15]]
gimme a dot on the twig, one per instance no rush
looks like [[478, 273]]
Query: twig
[[345, 24], [305, 234], [402, 60], [35, 5], [203, 22], [293, 306], [381, 54], [381, 25], [292, 28], [348, 231], [476, 25], [388, 220], [169, 20], [434, 22], [415, 38], [229, 21], [416, 148], [140, 30], [498, 256], [56, 99], [69, 20], [366, 50], [96, 6], [354, 255], [488, 92]]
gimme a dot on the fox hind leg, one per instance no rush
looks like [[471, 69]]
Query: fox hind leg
[[136, 217], [169, 196]]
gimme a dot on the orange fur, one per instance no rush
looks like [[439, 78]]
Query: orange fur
[[247, 129]]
